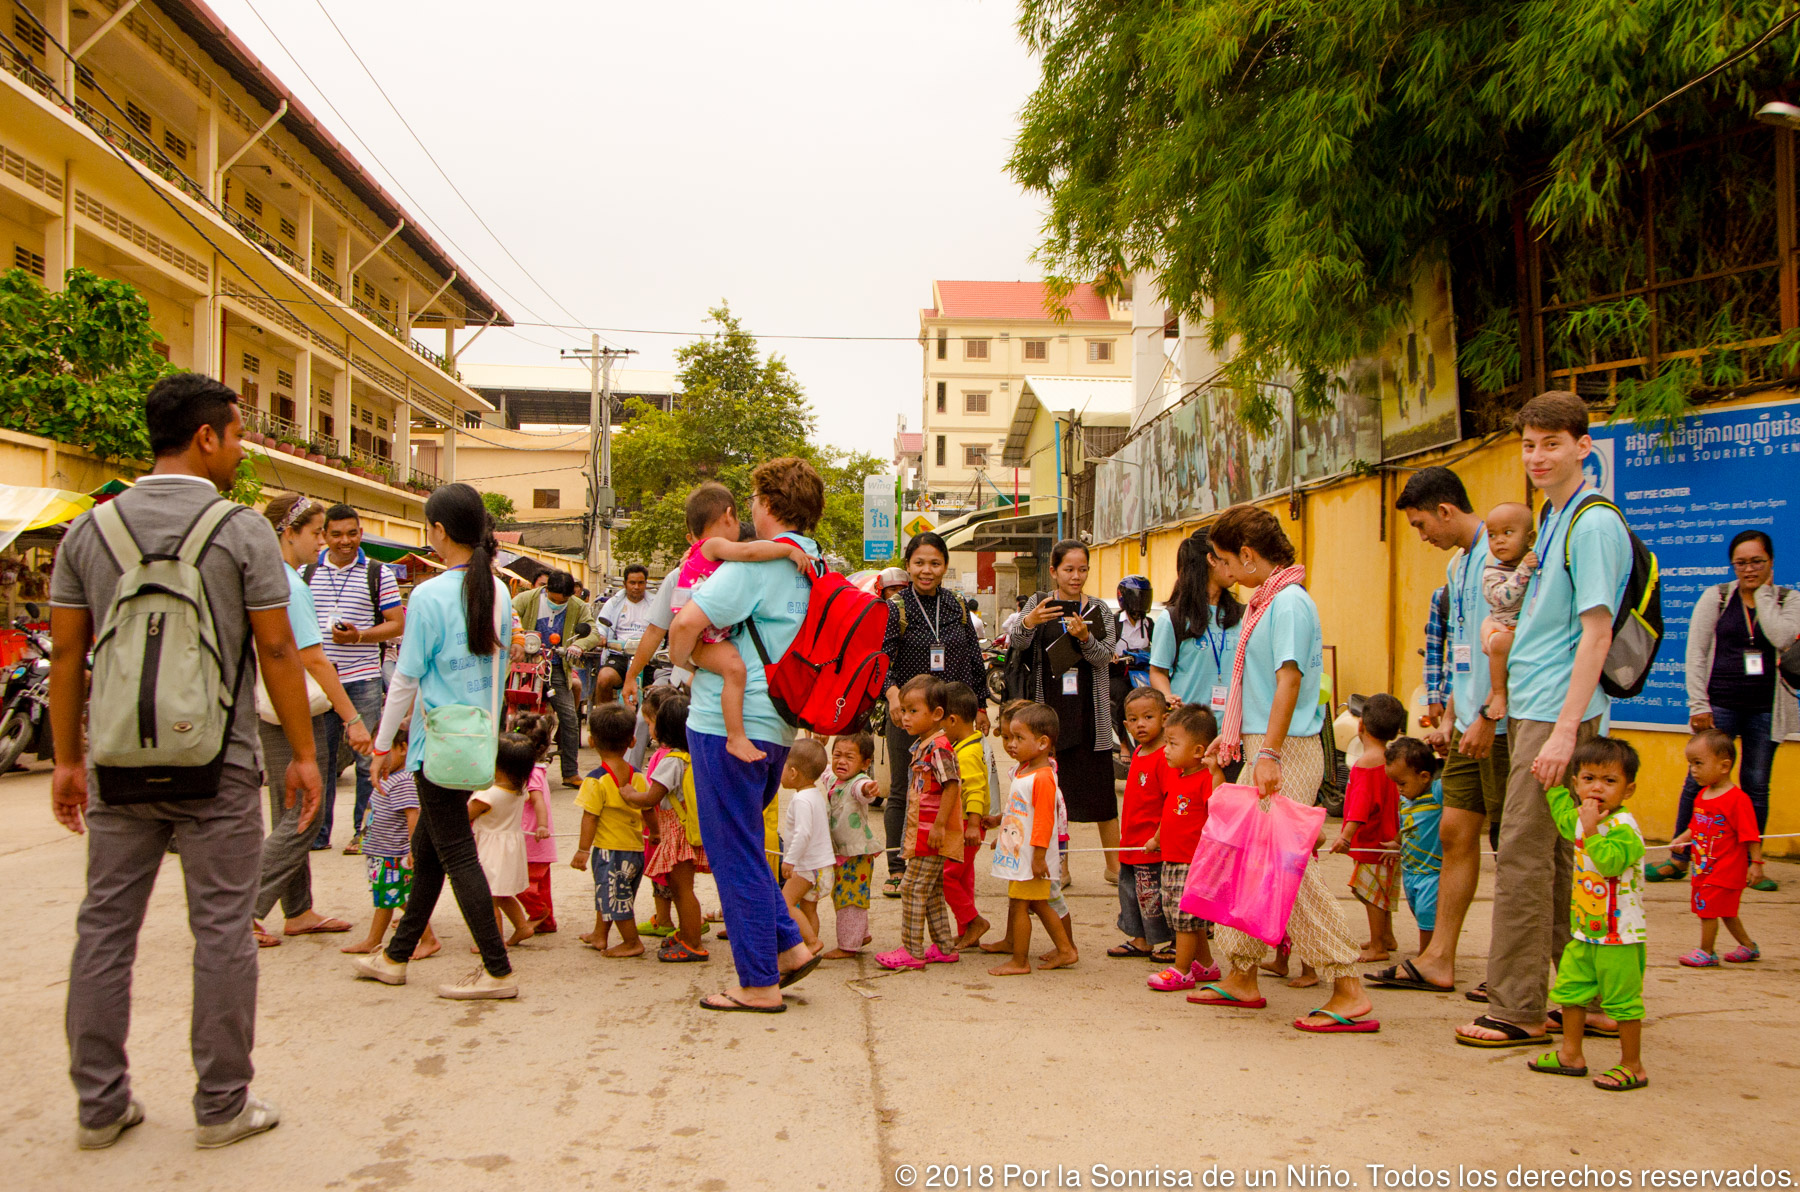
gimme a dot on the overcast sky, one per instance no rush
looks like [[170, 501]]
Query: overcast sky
[[817, 164]]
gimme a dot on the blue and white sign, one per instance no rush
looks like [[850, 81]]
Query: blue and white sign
[[881, 512], [1724, 471]]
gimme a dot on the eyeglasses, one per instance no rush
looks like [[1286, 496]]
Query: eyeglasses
[[1749, 564]]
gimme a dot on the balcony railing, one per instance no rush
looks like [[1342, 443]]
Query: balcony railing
[[324, 280], [376, 317], [274, 425], [420, 349], [426, 480], [244, 224], [128, 140], [27, 71]]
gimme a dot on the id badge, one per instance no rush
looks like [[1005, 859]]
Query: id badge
[[1072, 682], [937, 658], [1463, 656], [1753, 664], [1219, 696]]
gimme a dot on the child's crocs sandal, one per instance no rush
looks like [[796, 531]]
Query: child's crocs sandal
[[674, 950], [1172, 980], [1743, 954], [936, 955], [652, 927], [1624, 1080], [1700, 958], [899, 959], [1665, 871]]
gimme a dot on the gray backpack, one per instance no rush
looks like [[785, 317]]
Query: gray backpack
[[161, 707]]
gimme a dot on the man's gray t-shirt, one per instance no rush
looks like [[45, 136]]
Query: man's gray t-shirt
[[243, 571], [662, 605]]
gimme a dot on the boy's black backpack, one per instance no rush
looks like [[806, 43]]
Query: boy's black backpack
[[1638, 625]]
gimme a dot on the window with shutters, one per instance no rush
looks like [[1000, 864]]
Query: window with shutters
[[27, 31], [975, 457], [940, 451], [381, 422], [975, 403], [284, 379], [174, 146], [1037, 349], [943, 344], [247, 391], [252, 364], [943, 398], [328, 260], [546, 498], [30, 262], [252, 203], [324, 422], [288, 229], [975, 349], [1100, 351], [284, 406], [161, 348], [367, 415], [140, 119]]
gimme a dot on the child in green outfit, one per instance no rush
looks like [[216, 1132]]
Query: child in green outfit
[[1605, 958]]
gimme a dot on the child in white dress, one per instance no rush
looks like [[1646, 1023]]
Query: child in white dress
[[497, 816]]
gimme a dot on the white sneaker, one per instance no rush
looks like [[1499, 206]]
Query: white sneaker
[[377, 967], [98, 1138], [256, 1116], [481, 984]]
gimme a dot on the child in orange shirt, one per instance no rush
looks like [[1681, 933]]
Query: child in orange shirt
[[1027, 843], [1140, 868], [1727, 849], [934, 829]]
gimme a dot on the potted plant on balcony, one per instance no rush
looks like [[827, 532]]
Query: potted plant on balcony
[[338, 462], [313, 455]]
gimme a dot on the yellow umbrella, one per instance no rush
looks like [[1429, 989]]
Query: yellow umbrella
[[23, 509]]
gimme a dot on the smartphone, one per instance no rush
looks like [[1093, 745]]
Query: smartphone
[[1064, 608], [342, 625]]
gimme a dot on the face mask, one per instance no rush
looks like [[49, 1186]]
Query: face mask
[[556, 602]]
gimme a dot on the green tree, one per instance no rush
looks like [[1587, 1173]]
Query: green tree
[[499, 505], [1285, 165], [75, 364], [246, 485]]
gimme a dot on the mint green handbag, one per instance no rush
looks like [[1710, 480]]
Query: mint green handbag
[[461, 741]]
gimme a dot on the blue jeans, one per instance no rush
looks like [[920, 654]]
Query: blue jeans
[[1756, 758], [365, 696], [732, 795]]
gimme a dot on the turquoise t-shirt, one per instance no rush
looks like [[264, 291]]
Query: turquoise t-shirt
[[435, 651], [303, 615], [1200, 664], [1542, 661], [1468, 609], [1288, 632], [774, 595]]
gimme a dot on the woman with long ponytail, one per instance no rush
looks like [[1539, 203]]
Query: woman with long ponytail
[[451, 655]]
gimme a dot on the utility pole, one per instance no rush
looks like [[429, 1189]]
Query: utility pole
[[600, 491]]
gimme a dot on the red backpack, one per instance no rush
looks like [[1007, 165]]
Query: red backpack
[[833, 673]]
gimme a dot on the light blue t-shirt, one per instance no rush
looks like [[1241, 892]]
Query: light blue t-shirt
[[774, 595], [303, 615], [435, 651], [1288, 632], [1542, 661], [1200, 664], [1468, 609]]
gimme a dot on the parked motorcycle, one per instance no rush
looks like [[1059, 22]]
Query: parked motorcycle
[[993, 657], [25, 698], [528, 680]]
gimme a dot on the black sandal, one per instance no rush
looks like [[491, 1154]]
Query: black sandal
[[1516, 1036], [1129, 951]]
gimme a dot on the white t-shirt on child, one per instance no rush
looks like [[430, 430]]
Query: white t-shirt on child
[[809, 835]]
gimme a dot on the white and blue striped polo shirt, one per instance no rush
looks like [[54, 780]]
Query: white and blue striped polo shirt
[[342, 594]]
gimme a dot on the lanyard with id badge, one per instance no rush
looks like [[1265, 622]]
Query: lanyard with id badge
[[1220, 692], [937, 637]]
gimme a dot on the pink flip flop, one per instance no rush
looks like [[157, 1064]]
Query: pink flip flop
[[1339, 1025], [1217, 996]]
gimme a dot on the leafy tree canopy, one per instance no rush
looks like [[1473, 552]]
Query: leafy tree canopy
[[75, 364], [738, 409], [499, 505], [1284, 165]]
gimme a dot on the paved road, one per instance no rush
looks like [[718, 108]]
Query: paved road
[[605, 1074]]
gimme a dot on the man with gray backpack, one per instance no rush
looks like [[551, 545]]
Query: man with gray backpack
[[170, 583]]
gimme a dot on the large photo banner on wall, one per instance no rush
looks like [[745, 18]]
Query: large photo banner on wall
[[1724, 472]]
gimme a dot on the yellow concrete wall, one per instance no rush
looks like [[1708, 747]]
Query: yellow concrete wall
[[1374, 599]]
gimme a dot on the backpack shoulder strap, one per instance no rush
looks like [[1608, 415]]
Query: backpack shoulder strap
[[307, 572], [1724, 596], [199, 538], [116, 536], [1583, 503], [372, 570]]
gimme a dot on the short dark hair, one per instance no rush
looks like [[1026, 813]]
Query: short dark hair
[[1718, 741], [1743, 536], [1011, 708], [1606, 751], [342, 512], [961, 702], [1553, 410], [670, 725], [706, 504], [864, 743], [1383, 717], [178, 406], [561, 584], [1413, 754], [516, 757], [791, 491], [1039, 720], [613, 726], [631, 569], [933, 689], [1196, 719], [808, 757], [1428, 488], [1138, 694]]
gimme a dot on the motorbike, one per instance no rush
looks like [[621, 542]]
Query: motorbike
[[528, 680], [993, 657], [25, 698]]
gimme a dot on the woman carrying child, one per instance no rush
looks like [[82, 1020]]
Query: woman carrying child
[[1273, 715]]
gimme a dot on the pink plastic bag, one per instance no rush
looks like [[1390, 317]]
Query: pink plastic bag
[[1252, 855]]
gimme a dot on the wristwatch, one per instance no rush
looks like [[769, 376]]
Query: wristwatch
[[1484, 715]]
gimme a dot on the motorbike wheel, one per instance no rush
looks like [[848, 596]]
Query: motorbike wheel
[[996, 682], [15, 734]]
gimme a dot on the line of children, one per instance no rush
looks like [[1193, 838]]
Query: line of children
[[1141, 916], [612, 799], [643, 754], [1059, 906], [1413, 769], [540, 841], [676, 854], [961, 707], [806, 866], [1188, 780], [387, 856], [853, 840], [934, 829], [1026, 855], [496, 817], [1371, 827], [1727, 849]]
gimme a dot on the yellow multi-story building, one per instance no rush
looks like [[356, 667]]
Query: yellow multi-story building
[[144, 142], [980, 340]]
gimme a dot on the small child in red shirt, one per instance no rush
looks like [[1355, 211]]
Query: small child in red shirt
[[1140, 869], [1187, 785], [1371, 831], [934, 828], [1727, 853]]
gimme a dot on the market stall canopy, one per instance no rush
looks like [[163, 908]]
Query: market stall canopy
[[23, 509], [386, 550], [109, 490]]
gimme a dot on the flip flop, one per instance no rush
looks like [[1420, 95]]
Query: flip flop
[[1626, 1080], [322, 927], [1164, 955], [1554, 1018], [1477, 994], [736, 1007], [1516, 1036], [1411, 978], [789, 978], [1550, 1064], [1129, 950], [1217, 996], [1339, 1024]]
